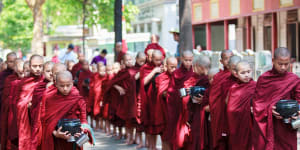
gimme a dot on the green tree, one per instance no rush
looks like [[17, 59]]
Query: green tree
[[16, 25]]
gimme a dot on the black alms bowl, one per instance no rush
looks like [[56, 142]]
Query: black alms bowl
[[287, 109], [196, 90], [70, 125]]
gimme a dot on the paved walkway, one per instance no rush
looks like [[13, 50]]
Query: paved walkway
[[104, 142]]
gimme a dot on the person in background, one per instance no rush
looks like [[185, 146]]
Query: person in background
[[68, 55], [55, 58], [100, 58], [176, 37]]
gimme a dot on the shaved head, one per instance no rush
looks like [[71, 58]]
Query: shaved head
[[64, 82], [49, 63], [242, 64], [36, 64], [157, 58], [243, 71], [171, 64], [234, 60], [10, 60], [59, 67], [157, 53], [171, 60], [187, 53], [35, 57], [225, 56], [19, 68], [64, 75], [127, 60], [281, 52], [11, 54], [140, 58], [226, 52], [213, 71], [203, 61], [140, 55]]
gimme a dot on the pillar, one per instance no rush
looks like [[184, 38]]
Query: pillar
[[208, 36], [248, 32], [274, 32], [226, 35]]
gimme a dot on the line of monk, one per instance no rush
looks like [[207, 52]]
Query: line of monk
[[148, 96]]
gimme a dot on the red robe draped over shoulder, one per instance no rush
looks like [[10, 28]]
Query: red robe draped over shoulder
[[177, 106], [95, 94], [27, 85], [162, 84], [105, 100], [84, 92], [216, 103], [77, 67], [5, 109], [268, 132], [35, 123], [126, 108], [155, 46], [58, 106], [144, 72], [12, 114], [239, 115]]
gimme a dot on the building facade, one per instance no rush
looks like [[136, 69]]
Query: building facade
[[247, 24], [157, 17]]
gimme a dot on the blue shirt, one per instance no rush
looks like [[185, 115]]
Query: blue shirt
[[68, 56]]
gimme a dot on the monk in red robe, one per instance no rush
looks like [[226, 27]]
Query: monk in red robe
[[269, 130], [36, 103], [162, 84], [154, 45], [238, 108], [120, 51], [10, 59], [83, 84], [70, 64], [140, 61], [105, 104], [66, 103], [77, 67], [197, 104], [95, 98], [124, 83], [184, 77], [153, 122], [25, 93], [26, 69], [6, 100], [216, 102]]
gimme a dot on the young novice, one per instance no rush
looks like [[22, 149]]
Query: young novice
[[238, 108]]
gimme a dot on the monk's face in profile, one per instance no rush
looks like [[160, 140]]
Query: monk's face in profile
[[232, 69], [36, 66], [109, 70], [225, 59], [81, 57], [282, 64], [19, 69], [200, 70], [11, 61], [102, 71], [128, 61], [187, 61], [116, 68], [118, 47], [64, 85], [48, 72], [85, 66], [140, 61], [244, 73], [26, 69], [157, 60], [171, 66], [70, 65]]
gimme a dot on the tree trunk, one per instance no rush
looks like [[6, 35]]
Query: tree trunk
[[118, 23], [185, 19], [83, 25], [37, 39]]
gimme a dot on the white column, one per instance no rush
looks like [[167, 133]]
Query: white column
[[138, 28]]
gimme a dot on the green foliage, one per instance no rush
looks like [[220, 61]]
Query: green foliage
[[16, 25]]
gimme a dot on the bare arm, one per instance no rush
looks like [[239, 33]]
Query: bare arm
[[150, 75]]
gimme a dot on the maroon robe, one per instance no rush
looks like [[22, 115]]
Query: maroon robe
[[95, 94], [25, 93], [155, 46], [217, 107], [12, 114], [144, 72], [58, 106], [125, 79], [139, 126], [105, 100], [239, 115], [35, 123], [84, 92], [5, 109], [162, 85], [177, 129], [269, 132], [77, 67], [198, 119]]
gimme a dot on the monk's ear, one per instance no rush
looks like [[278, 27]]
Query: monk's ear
[[235, 73]]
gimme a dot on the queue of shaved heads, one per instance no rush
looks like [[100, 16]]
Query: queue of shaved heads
[[148, 94]]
